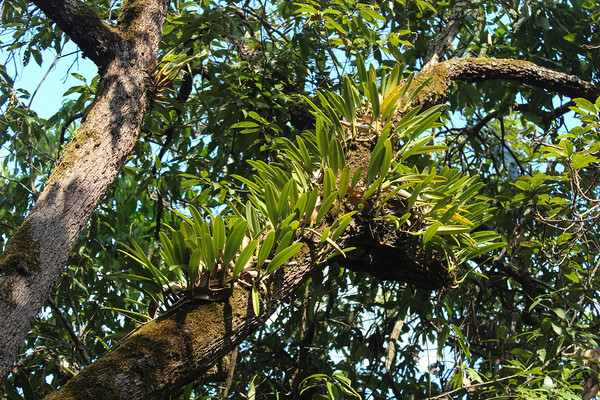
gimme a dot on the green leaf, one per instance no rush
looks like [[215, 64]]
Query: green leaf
[[356, 176], [361, 69], [138, 254], [326, 206], [194, 266], [243, 258], [430, 232], [265, 248], [420, 178], [283, 205], [329, 182], [167, 249], [342, 223], [387, 158], [255, 299], [244, 124], [234, 241], [453, 229], [252, 218], [464, 345], [343, 183], [311, 203], [283, 256], [218, 226], [208, 252], [325, 234], [560, 313], [377, 157], [372, 188], [271, 203]]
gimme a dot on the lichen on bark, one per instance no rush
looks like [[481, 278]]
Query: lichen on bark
[[72, 151]]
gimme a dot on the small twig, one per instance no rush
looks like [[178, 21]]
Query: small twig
[[58, 56], [78, 344], [232, 364], [4, 224], [17, 182]]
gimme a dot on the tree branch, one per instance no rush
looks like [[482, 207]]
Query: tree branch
[[79, 345], [173, 350], [468, 69], [94, 37], [444, 39]]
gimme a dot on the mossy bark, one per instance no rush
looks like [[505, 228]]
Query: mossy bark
[[164, 355], [446, 73], [34, 258], [159, 358]]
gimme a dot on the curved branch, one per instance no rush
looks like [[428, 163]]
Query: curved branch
[[94, 37], [175, 349], [468, 69]]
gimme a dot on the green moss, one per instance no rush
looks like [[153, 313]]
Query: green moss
[[22, 254], [174, 338], [434, 90], [72, 151], [130, 12]]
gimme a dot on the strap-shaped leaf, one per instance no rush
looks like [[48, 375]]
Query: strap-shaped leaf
[[343, 182], [218, 234], [243, 258], [326, 206], [271, 203], [255, 299], [283, 256], [208, 252], [342, 223], [266, 247], [234, 240], [430, 232]]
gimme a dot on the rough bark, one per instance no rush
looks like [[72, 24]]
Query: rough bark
[[161, 357], [126, 56], [443, 40], [442, 75], [95, 38]]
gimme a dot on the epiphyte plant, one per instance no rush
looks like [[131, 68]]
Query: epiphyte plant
[[365, 150]]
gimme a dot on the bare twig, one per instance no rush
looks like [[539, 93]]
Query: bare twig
[[78, 344]]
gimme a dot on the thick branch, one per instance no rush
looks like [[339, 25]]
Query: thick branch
[[36, 255], [164, 355], [174, 350], [445, 73], [524, 72], [94, 37]]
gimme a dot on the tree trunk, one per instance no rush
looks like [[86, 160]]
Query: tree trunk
[[126, 57]]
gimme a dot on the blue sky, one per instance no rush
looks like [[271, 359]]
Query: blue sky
[[53, 78]]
